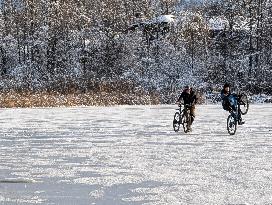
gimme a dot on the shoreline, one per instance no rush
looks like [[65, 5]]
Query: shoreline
[[55, 99], [44, 99]]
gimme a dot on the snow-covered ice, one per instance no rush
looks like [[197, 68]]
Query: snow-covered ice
[[131, 155]]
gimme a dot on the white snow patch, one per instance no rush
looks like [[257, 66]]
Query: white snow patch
[[132, 154], [218, 23]]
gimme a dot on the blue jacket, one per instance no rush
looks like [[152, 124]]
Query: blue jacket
[[224, 95]]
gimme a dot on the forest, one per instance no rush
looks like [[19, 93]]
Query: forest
[[70, 52]]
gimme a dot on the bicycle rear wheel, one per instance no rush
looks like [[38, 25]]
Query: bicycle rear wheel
[[231, 125], [176, 122], [244, 104]]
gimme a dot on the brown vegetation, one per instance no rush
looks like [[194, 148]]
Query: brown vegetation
[[103, 95]]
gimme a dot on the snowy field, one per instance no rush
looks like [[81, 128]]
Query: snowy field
[[130, 155]]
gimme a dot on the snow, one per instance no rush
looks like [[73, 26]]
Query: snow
[[162, 19], [261, 98], [218, 23], [221, 23], [131, 155], [165, 19]]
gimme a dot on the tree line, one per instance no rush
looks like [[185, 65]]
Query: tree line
[[70, 46]]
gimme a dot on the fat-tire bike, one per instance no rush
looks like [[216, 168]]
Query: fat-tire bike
[[235, 117], [182, 117]]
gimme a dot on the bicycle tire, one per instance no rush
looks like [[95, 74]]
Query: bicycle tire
[[243, 104], [176, 122], [231, 124], [186, 121]]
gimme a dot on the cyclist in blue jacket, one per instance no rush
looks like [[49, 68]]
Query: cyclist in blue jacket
[[229, 101]]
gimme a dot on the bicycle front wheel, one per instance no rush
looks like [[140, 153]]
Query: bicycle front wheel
[[186, 122], [231, 125], [244, 104], [176, 122]]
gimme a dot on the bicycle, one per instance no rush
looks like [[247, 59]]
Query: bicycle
[[235, 118], [182, 117]]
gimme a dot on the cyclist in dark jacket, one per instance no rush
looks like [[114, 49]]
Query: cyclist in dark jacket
[[189, 98], [229, 102]]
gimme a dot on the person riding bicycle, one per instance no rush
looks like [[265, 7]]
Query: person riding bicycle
[[229, 101], [189, 98]]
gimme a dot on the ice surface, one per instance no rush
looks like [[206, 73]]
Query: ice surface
[[131, 155]]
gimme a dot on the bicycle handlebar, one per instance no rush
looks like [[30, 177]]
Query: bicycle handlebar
[[185, 105]]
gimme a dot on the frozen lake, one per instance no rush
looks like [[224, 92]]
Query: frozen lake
[[130, 155]]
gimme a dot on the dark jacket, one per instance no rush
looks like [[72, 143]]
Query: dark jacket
[[188, 98], [224, 95], [225, 100], [227, 105]]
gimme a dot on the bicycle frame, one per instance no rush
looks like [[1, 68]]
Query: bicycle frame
[[184, 110], [236, 118]]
